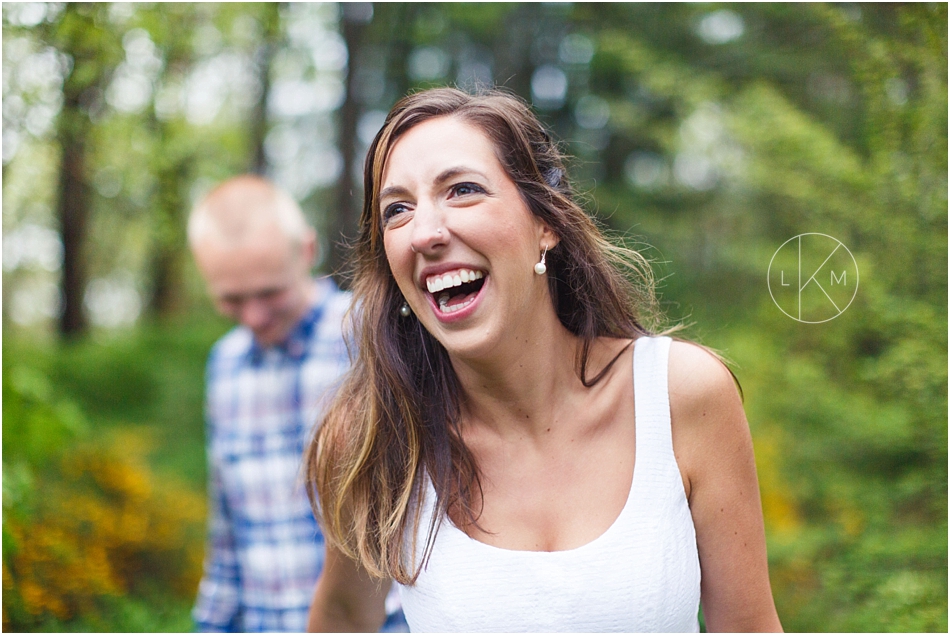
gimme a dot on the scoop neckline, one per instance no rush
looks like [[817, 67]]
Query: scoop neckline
[[610, 529]]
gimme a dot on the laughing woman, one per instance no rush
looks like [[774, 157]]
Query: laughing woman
[[512, 446]]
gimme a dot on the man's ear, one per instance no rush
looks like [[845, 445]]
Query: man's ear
[[310, 248]]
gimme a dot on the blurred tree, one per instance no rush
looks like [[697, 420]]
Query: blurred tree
[[344, 217], [716, 131], [81, 33], [175, 147], [734, 128], [272, 40], [377, 44], [173, 157]]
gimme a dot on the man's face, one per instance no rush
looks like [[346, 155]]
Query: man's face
[[263, 283]]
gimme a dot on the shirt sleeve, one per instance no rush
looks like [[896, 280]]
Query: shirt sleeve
[[218, 605]]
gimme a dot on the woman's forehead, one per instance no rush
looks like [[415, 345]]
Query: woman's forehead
[[433, 146]]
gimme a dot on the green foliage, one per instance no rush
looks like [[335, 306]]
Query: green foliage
[[44, 425], [815, 118], [103, 482], [849, 417]]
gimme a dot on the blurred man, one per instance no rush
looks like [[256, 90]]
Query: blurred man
[[267, 381]]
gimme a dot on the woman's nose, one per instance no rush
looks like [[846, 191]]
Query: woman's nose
[[429, 233]]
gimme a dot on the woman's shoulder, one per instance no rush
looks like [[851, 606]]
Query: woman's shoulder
[[702, 389], [705, 408]]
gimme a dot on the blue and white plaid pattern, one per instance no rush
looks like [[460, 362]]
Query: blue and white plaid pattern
[[265, 550]]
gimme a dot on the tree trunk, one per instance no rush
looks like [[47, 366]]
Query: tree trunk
[[344, 220], [94, 54], [169, 239], [400, 17], [259, 115], [73, 213], [265, 54]]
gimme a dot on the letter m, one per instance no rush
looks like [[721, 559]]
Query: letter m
[[839, 279]]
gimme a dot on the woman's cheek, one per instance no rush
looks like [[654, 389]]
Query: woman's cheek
[[400, 261]]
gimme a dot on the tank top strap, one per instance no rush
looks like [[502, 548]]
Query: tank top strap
[[651, 396]]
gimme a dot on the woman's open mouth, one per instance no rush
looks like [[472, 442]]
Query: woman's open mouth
[[452, 291]]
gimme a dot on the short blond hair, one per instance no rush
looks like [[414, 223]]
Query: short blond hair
[[236, 209]]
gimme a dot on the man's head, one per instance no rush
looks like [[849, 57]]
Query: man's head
[[254, 250]]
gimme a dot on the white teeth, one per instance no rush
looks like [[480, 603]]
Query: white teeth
[[437, 283], [444, 304]]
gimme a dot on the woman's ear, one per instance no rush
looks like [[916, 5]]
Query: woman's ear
[[547, 237]]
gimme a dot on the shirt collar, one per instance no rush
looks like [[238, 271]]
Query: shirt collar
[[296, 344]]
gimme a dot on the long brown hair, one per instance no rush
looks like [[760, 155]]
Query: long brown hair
[[396, 417]]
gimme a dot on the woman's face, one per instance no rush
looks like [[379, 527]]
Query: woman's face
[[460, 241]]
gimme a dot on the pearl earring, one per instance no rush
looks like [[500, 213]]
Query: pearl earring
[[540, 268], [404, 310]]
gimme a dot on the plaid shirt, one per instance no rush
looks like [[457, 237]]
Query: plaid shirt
[[265, 550]]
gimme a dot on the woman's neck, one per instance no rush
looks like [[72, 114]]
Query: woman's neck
[[516, 389]]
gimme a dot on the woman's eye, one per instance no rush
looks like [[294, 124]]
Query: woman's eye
[[463, 189], [392, 210]]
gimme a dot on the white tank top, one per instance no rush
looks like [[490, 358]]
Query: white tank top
[[641, 575]]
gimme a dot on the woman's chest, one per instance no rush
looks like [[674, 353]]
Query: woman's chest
[[641, 575], [558, 495]]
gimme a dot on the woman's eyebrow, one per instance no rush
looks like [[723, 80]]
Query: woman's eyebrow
[[398, 191], [453, 172]]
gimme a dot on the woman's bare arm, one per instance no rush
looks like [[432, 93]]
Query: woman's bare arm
[[347, 599], [714, 449]]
